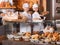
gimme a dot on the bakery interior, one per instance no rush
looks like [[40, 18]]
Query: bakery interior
[[12, 22]]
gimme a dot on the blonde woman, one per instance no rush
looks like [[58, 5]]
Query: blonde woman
[[25, 27], [36, 17]]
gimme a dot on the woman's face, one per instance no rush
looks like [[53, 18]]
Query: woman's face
[[26, 9], [35, 9]]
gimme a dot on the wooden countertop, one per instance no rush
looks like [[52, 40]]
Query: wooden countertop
[[9, 42]]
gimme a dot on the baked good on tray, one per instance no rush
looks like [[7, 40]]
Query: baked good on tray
[[35, 37]]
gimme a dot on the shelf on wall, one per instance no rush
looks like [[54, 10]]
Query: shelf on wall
[[7, 7]]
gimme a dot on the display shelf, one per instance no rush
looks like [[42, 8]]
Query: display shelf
[[7, 7]]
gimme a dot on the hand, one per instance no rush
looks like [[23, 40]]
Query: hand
[[44, 13]]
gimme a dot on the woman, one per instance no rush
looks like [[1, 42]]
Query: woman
[[36, 17], [25, 27]]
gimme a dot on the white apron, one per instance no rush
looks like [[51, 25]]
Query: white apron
[[25, 27], [39, 25]]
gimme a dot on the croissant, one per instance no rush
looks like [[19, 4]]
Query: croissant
[[27, 34], [36, 36], [49, 35]]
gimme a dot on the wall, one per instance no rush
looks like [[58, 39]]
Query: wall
[[57, 16]]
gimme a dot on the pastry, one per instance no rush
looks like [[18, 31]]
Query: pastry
[[49, 35], [43, 35], [59, 37], [2, 4], [7, 4], [27, 34], [55, 33], [2, 14], [35, 37], [48, 40], [40, 36], [55, 36], [46, 34]]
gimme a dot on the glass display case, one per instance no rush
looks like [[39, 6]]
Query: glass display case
[[25, 27]]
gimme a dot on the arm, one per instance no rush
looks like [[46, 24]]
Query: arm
[[44, 13], [36, 18], [23, 18]]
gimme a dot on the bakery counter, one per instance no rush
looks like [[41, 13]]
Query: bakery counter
[[9, 42]]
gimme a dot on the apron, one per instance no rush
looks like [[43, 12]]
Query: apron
[[25, 27], [39, 25]]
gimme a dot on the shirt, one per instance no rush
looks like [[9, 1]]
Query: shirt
[[28, 15], [35, 15]]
